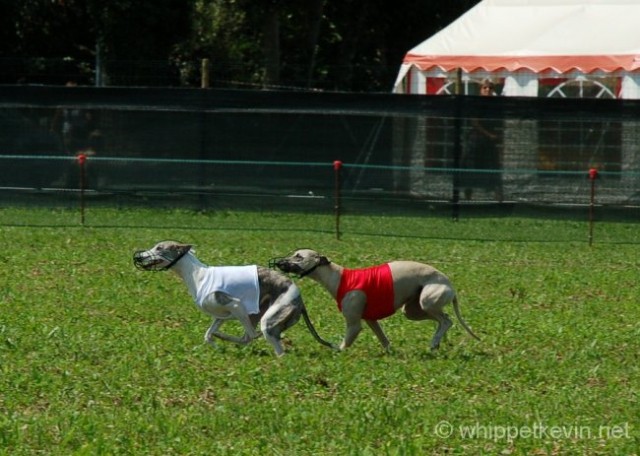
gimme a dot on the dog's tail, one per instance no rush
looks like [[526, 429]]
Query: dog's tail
[[313, 331], [456, 309]]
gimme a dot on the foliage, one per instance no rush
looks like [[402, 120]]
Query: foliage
[[99, 358], [315, 44]]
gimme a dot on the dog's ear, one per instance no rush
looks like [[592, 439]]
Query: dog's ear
[[323, 261], [180, 248]]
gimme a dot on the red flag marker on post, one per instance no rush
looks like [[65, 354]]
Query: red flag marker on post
[[82, 159], [593, 175], [337, 167]]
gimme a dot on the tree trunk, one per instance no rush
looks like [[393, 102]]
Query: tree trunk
[[271, 45], [316, 9]]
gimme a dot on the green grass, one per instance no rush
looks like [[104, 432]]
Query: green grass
[[99, 358]]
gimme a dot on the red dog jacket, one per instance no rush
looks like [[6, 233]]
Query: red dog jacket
[[377, 284]]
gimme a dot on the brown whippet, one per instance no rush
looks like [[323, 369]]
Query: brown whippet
[[374, 293]]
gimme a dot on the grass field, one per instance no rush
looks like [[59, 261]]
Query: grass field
[[97, 357]]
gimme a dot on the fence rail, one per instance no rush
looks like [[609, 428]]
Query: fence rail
[[331, 188], [259, 150]]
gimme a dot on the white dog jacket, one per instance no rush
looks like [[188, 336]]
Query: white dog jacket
[[241, 282]]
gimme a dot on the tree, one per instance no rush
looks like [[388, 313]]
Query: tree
[[337, 45], [69, 31]]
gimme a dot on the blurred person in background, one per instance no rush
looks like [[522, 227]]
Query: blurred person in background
[[79, 134], [483, 153], [77, 128]]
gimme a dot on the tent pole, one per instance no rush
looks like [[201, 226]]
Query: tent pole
[[457, 149], [459, 81]]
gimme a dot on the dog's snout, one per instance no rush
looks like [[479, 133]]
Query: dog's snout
[[278, 263], [139, 259]]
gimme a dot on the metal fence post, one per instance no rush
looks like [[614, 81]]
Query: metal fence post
[[593, 175], [337, 167], [82, 159]]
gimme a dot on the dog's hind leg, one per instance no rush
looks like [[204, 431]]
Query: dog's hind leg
[[282, 314], [444, 323], [433, 298], [416, 313], [412, 310]]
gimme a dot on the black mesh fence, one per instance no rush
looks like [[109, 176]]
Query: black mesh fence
[[268, 150]]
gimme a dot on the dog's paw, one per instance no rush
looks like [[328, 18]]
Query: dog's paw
[[211, 343]]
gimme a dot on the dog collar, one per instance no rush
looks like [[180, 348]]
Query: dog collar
[[309, 271], [176, 259], [322, 261]]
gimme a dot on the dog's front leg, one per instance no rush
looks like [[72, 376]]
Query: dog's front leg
[[235, 307], [213, 331], [240, 313], [352, 308], [232, 306], [382, 337], [353, 329]]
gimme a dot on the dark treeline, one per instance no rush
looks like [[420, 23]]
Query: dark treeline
[[335, 45]]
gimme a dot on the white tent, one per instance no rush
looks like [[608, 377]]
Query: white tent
[[572, 48]]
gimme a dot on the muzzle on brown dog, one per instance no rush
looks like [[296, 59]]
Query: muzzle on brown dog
[[296, 264]]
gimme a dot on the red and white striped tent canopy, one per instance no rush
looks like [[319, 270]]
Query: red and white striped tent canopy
[[525, 45]]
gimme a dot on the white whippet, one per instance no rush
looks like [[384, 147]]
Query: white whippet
[[249, 294], [374, 293]]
